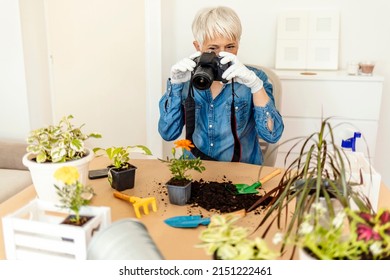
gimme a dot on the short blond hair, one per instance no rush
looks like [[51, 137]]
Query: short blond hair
[[213, 22]]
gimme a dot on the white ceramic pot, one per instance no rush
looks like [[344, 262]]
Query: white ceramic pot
[[126, 239], [304, 256], [42, 174]]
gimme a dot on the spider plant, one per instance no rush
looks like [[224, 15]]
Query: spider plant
[[318, 173]]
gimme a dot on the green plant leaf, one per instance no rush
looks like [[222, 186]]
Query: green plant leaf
[[77, 145], [321, 166], [59, 143], [41, 158], [120, 156]]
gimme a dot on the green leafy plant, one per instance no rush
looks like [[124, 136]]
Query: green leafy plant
[[58, 143], [319, 171], [73, 195], [350, 235], [225, 240], [120, 156], [179, 166]]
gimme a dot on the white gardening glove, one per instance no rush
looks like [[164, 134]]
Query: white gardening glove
[[240, 72], [181, 71]]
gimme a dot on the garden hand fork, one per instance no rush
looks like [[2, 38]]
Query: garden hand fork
[[138, 202]]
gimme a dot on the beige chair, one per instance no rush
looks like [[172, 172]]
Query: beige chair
[[14, 175], [270, 151]]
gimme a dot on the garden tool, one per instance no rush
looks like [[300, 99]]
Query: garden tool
[[138, 202], [187, 221], [194, 221], [252, 189]]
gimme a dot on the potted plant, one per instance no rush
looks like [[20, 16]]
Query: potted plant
[[121, 174], [60, 231], [226, 241], [73, 194], [179, 185], [318, 173], [52, 147], [350, 235]]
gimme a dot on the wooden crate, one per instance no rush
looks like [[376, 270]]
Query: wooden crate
[[35, 231]]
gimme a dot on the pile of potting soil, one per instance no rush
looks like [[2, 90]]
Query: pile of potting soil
[[221, 197]]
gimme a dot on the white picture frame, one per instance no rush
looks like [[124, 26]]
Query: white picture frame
[[293, 25], [291, 54], [308, 40], [322, 54], [323, 25]]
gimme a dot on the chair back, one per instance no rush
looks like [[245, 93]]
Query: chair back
[[270, 151]]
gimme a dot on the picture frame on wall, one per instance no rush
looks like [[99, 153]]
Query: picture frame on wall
[[308, 40]]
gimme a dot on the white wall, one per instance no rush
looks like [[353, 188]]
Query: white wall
[[364, 35], [98, 66], [14, 114], [86, 58], [36, 61], [364, 29]]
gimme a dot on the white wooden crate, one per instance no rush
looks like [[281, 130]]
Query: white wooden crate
[[35, 232]]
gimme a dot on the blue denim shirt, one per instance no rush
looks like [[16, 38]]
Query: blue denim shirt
[[212, 134]]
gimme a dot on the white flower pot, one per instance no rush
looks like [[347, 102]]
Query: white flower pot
[[42, 174], [131, 241], [304, 256]]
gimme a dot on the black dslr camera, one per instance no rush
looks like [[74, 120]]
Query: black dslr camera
[[208, 69]]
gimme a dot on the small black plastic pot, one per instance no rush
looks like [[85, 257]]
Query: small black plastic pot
[[122, 179]]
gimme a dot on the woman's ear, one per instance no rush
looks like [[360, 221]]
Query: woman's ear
[[196, 45]]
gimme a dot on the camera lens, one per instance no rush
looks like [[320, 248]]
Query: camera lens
[[203, 77]]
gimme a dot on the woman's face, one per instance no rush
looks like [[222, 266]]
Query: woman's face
[[218, 44]]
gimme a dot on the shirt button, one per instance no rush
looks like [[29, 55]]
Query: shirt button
[[212, 106], [211, 144], [236, 108], [210, 125]]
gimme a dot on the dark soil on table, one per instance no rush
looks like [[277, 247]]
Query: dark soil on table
[[70, 220], [221, 197]]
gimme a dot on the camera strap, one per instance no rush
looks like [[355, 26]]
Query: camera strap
[[189, 113]]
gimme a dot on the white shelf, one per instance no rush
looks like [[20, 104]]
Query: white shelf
[[353, 101], [340, 75]]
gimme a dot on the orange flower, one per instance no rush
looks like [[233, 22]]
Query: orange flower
[[185, 144]]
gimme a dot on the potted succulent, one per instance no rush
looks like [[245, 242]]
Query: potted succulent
[[350, 235], [226, 241], [318, 173], [52, 147], [179, 185], [73, 194], [121, 174]]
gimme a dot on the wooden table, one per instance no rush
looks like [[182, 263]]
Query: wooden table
[[151, 175]]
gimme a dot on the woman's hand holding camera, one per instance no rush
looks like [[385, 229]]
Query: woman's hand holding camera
[[240, 72], [181, 71]]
